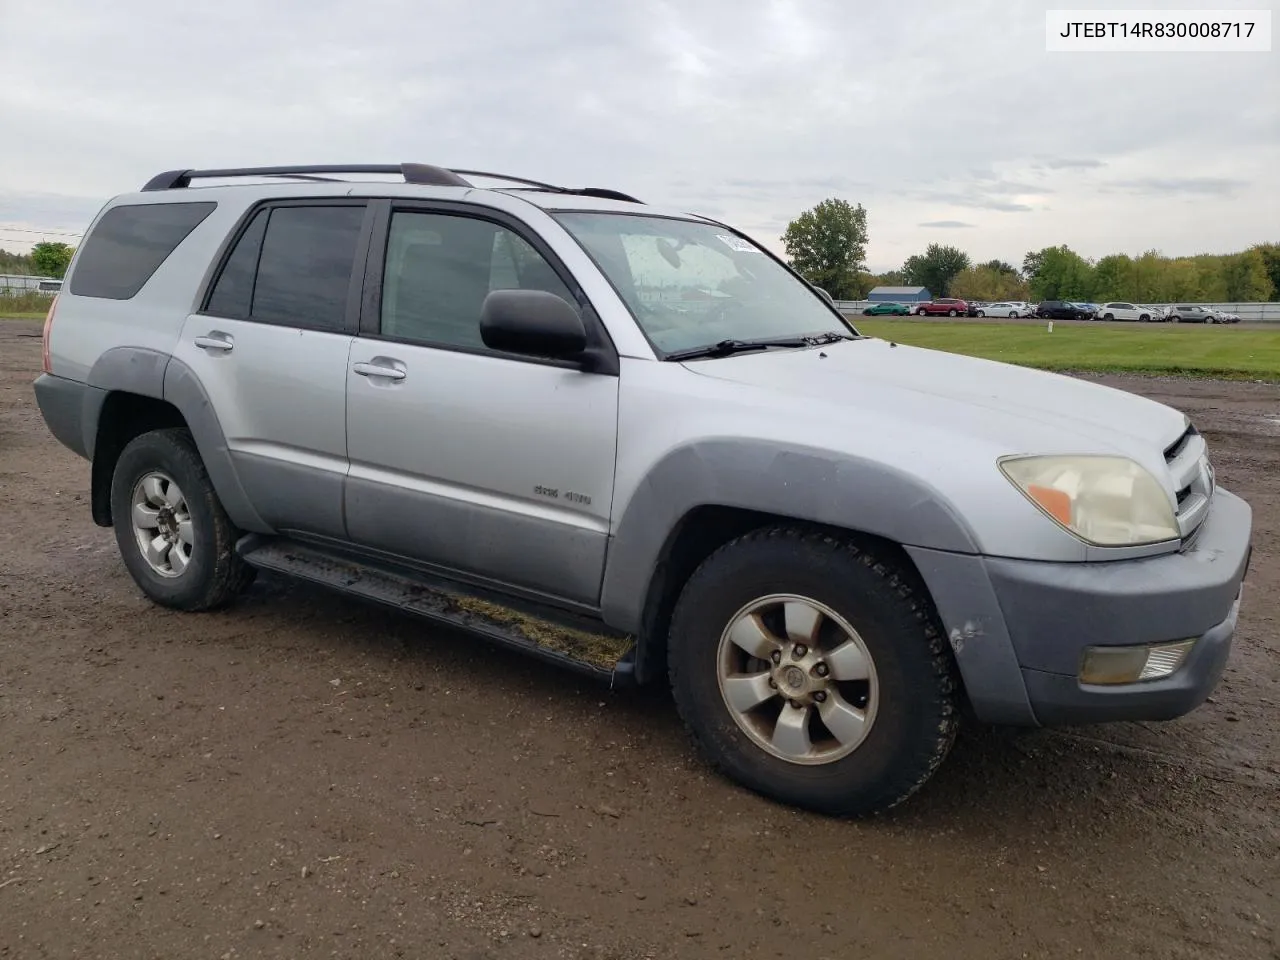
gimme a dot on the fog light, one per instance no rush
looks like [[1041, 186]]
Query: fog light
[[1112, 665]]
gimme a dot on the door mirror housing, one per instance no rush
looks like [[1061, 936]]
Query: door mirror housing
[[532, 322], [826, 294]]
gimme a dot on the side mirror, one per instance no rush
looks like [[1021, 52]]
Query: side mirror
[[826, 295], [532, 322]]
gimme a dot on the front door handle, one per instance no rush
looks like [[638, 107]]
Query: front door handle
[[217, 344], [378, 370]]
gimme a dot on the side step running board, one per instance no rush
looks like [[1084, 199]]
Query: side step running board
[[606, 655]]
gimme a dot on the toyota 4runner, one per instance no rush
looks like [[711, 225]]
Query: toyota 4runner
[[634, 442]]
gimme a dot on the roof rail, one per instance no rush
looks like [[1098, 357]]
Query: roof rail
[[422, 173]]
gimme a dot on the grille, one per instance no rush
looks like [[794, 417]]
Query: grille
[[1193, 479]]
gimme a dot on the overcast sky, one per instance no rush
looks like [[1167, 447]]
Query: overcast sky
[[945, 118]]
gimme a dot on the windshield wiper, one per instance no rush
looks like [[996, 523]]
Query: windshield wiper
[[727, 348]]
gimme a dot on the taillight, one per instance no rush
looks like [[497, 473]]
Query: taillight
[[48, 328]]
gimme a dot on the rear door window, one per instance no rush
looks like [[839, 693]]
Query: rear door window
[[292, 266], [128, 243]]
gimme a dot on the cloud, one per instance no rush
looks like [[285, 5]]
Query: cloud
[[753, 111], [1072, 163], [1165, 186], [946, 224]]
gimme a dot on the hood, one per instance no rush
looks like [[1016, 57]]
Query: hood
[[996, 400]]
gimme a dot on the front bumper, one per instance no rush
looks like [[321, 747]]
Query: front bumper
[[1019, 628]]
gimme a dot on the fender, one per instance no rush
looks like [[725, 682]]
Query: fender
[[790, 480], [151, 373]]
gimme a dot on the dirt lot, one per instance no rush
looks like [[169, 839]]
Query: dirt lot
[[303, 776]]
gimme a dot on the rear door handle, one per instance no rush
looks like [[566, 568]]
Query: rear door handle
[[217, 344], [378, 370]]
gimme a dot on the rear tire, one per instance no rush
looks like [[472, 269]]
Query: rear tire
[[808, 595], [951, 313], [175, 539]]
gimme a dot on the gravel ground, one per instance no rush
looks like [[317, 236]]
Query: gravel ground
[[304, 776]]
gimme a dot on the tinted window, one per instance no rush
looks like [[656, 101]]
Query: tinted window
[[233, 292], [440, 267], [304, 272], [128, 244]]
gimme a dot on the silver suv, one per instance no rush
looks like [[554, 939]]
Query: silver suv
[[632, 441]]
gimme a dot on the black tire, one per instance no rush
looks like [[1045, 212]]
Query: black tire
[[951, 313], [917, 712], [920, 313], [981, 313], [1144, 318], [1108, 316], [867, 312], [215, 575]]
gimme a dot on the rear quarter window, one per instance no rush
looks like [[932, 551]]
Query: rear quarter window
[[128, 244]]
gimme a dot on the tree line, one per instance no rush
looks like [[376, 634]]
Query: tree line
[[46, 259], [827, 246]]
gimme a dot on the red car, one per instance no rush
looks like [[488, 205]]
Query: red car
[[943, 306]]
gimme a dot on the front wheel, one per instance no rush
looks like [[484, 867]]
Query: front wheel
[[951, 313], [919, 313], [813, 672], [175, 539], [981, 313], [1013, 314]]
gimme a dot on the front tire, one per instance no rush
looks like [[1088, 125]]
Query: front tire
[[175, 539], [951, 313], [981, 313], [813, 672]]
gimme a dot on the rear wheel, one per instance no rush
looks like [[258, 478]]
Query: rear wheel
[[175, 539], [1013, 314], [981, 313], [813, 672], [1108, 316], [919, 313], [951, 313]]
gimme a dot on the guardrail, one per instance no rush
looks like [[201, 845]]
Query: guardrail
[[1266, 312], [16, 284]]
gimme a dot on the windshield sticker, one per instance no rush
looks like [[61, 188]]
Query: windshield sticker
[[736, 243]]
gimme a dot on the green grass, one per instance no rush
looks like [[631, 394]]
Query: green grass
[[24, 306], [1198, 351]]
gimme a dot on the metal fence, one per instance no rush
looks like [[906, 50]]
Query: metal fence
[[1247, 312], [15, 284]]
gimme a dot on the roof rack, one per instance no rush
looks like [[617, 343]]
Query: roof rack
[[419, 173], [412, 173]]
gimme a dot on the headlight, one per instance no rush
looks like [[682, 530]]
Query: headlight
[[1105, 501]]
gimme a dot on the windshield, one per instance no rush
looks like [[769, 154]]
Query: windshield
[[691, 284]]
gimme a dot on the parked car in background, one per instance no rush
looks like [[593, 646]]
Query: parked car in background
[[1003, 308], [887, 310], [1190, 313], [1061, 310], [943, 306], [1124, 311]]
